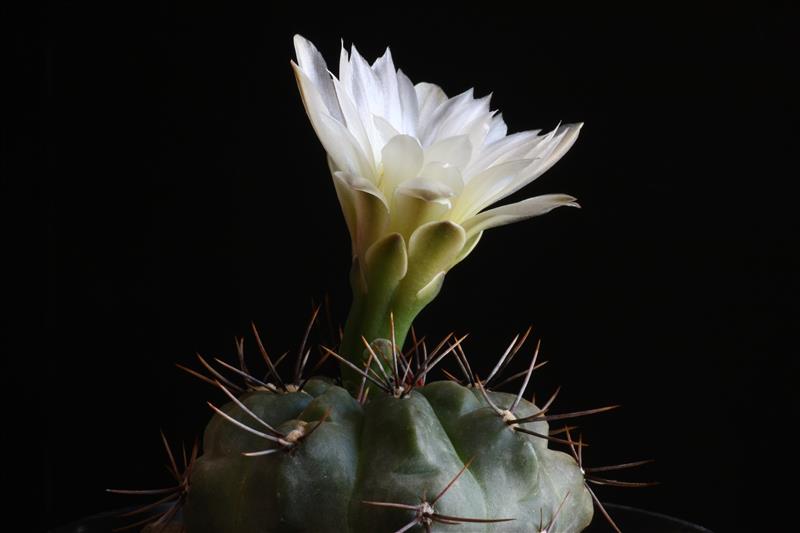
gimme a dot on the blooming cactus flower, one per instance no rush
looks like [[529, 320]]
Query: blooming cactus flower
[[416, 170]]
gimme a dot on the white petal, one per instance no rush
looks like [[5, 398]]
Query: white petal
[[508, 214], [479, 128], [345, 72], [497, 129], [456, 151], [313, 65], [367, 207], [387, 79], [361, 84], [312, 100], [384, 129], [402, 160], [549, 154], [459, 115], [473, 120], [417, 202], [365, 81], [345, 195], [483, 188], [430, 190], [563, 146], [446, 174], [337, 141], [357, 183], [514, 146], [545, 143], [408, 104], [410, 211], [429, 97], [344, 148], [434, 111], [352, 120]]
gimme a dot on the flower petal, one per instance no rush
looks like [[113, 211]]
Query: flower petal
[[367, 207], [488, 184], [344, 148], [314, 67], [497, 129], [458, 115], [446, 174], [431, 290], [543, 153], [345, 195], [430, 190], [386, 132], [456, 151], [429, 96], [435, 109], [402, 160], [361, 84], [386, 264], [511, 147], [473, 120], [352, 120], [417, 202], [365, 82], [338, 142], [478, 129], [345, 72], [386, 75], [432, 248], [508, 214], [548, 155], [408, 104], [432, 251]]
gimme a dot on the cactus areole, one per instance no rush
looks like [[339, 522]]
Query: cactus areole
[[385, 449]]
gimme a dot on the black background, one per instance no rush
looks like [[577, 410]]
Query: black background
[[185, 194]]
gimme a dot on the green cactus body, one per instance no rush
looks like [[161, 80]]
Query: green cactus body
[[394, 450]]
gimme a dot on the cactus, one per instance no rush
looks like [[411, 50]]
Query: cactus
[[308, 456], [384, 449]]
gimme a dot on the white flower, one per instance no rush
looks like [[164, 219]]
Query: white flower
[[414, 170], [403, 155]]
